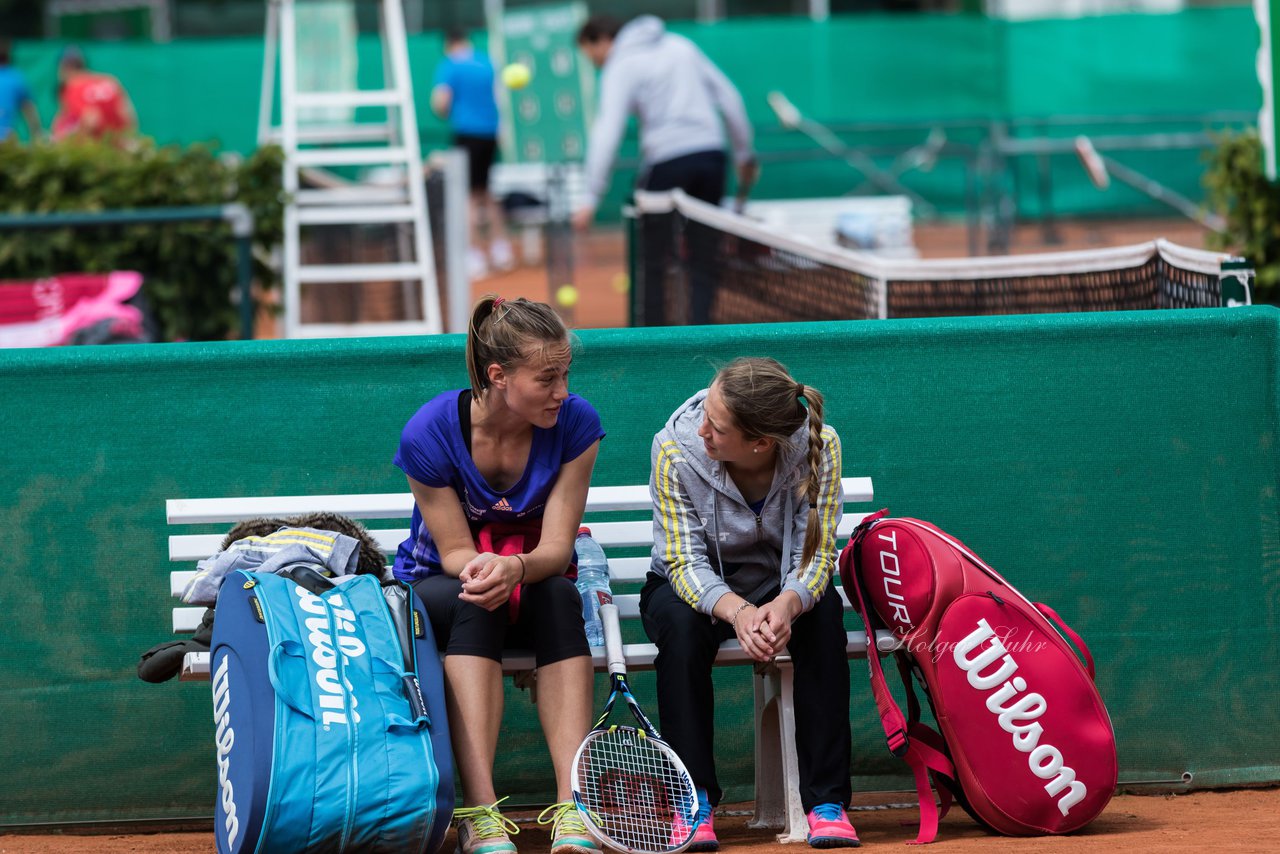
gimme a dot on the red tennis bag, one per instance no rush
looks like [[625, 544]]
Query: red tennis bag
[[1026, 745]]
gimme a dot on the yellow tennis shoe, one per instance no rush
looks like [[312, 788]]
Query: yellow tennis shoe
[[484, 830], [568, 834]]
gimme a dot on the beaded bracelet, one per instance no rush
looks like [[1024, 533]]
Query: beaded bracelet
[[733, 618]]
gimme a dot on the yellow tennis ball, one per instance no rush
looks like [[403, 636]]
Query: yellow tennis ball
[[516, 75], [567, 296], [621, 283]]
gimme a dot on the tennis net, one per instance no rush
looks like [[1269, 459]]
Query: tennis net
[[697, 263]]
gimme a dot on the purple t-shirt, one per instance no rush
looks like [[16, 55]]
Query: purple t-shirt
[[434, 452]]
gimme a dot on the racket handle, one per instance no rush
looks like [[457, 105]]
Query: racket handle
[[612, 638]]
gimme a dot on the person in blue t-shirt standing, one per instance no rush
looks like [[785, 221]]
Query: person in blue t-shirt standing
[[499, 473], [15, 98], [465, 96]]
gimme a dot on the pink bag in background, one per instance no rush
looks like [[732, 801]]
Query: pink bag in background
[[50, 312]]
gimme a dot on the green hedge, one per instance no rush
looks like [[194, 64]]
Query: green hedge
[[189, 269], [1250, 204]]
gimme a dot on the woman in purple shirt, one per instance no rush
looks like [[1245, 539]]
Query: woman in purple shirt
[[499, 474]]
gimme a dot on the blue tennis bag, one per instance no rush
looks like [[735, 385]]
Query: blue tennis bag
[[328, 704]]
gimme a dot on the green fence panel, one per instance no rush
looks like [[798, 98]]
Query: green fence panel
[[1093, 65], [861, 67], [1120, 466]]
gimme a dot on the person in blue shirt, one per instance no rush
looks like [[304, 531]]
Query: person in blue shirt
[[499, 473], [464, 95], [15, 98]]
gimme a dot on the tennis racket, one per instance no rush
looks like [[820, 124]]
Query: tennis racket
[[631, 789]]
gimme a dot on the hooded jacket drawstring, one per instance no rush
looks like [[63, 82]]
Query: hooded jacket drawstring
[[786, 538]]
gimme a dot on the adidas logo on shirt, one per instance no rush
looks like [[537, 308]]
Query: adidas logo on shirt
[[503, 504]]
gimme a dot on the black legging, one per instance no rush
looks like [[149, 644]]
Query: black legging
[[550, 621], [687, 641]]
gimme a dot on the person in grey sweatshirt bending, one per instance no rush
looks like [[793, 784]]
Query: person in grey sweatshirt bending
[[680, 98], [746, 496]]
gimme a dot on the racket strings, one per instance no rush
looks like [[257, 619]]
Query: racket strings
[[633, 792]]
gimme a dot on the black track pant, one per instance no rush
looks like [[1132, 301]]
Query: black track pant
[[701, 175], [687, 643]]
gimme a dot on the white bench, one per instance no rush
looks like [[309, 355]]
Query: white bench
[[776, 771]]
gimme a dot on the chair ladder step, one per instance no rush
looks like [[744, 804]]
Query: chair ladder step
[[352, 215], [331, 273]]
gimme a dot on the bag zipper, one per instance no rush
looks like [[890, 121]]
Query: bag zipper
[[352, 775]]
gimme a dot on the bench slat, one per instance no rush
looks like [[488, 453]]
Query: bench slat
[[183, 547], [193, 511], [388, 505], [608, 534], [201, 546], [639, 656], [399, 505]]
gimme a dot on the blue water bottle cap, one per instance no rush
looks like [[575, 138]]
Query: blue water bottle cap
[[584, 530]]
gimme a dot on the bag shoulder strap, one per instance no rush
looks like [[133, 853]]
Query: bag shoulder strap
[[905, 739]]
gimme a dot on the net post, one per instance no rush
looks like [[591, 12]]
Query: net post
[[451, 163], [1236, 282], [631, 218]]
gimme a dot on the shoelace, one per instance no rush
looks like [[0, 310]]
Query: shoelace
[[565, 815], [704, 808], [488, 821], [829, 812]]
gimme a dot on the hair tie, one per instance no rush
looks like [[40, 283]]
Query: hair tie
[[799, 390], [494, 317], [813, 505]]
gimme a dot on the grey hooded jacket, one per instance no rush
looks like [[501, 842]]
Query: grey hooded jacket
[[678, 94], [707, 541]]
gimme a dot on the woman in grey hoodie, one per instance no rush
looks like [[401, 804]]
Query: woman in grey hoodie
[[685, 107], [746, 493]]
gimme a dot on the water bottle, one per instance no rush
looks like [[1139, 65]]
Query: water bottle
[[593, 584]]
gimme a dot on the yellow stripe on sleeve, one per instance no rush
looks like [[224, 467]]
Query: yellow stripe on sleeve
[[675, 525], [828, 505]]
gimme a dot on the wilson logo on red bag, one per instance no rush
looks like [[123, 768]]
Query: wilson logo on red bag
[[1024, 741]]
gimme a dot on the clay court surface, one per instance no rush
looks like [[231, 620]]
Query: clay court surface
[[1245, 820]]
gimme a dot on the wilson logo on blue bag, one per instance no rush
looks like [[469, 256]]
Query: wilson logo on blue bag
[[225, 737], [334, 697]]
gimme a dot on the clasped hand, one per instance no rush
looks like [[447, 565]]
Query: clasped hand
[[488, 579], [765, 631]]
